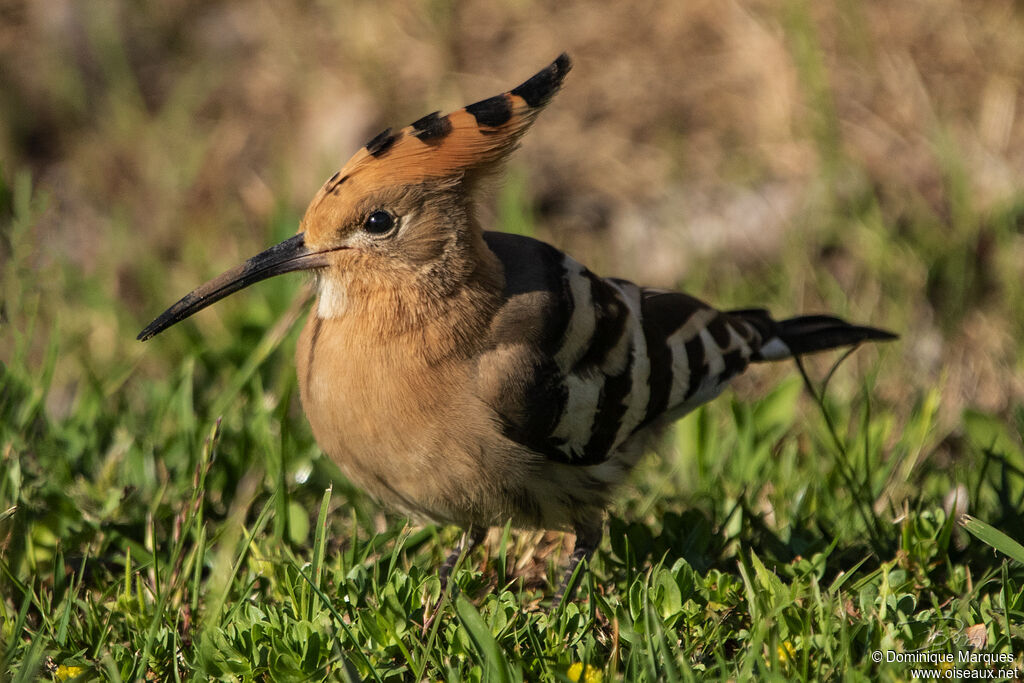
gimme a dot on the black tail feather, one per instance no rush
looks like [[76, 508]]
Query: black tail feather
[[808, 333]]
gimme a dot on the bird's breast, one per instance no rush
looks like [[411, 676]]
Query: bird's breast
[[401, 427]]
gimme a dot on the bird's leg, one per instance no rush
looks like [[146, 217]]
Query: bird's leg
[[588, 537], [470, 539]]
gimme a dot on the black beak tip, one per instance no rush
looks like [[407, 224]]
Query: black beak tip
[[281, 258], [158, 325], [150, 331]]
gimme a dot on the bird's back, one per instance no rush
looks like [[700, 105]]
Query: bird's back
[[578, 364]]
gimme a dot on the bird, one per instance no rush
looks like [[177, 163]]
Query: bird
[[477, 378]]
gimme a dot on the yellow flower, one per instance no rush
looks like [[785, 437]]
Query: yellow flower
[[591, 675], [786, 652], [68, 672]]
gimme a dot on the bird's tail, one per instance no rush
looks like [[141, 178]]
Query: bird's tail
[[806, 334]]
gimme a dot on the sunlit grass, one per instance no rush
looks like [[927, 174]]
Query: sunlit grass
[[186, 526]]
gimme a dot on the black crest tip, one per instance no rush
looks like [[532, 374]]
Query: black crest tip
[[381, 142], [543, 85]]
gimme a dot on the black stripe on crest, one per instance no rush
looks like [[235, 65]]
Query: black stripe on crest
[[432, 127], [493, 112], [334, 183], [381, 142]]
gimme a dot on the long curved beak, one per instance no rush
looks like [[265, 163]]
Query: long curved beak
[[292, 254]]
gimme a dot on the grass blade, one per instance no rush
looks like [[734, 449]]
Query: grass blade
[[319, 547], [989, 535], [491, 656]]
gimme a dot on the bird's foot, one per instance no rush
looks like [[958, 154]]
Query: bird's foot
[[587, 540], [470, 539]]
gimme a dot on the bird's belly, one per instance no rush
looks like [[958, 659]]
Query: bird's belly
[[395, 453]]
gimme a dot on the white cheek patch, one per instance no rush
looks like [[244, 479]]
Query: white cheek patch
[[333, 300]]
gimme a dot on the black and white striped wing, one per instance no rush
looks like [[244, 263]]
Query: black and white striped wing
[[580, 363], [695, 350]]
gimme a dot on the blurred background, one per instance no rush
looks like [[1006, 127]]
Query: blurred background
[[862, 158]]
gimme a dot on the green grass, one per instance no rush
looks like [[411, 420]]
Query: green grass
[[166, 515]]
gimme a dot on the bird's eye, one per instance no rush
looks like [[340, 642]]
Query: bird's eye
[[379, 222]]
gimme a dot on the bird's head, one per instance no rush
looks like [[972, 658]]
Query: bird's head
[[399, 213]]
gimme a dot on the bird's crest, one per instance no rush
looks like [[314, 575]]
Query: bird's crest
[[461, 145]]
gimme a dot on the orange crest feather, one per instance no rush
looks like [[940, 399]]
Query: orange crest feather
[[461, 143]]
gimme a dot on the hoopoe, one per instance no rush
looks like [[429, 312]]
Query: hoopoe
[[471, 378]]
